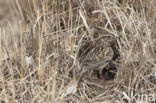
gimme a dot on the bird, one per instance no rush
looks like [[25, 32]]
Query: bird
[[105, 69], [108, 72]]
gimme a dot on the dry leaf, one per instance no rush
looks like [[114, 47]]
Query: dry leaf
[[71, 88]]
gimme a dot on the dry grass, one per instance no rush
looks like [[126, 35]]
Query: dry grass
[[40, 46]]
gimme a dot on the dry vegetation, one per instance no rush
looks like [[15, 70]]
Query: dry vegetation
[[41, 40]]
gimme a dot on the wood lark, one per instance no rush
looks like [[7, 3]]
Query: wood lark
[[100, 58]]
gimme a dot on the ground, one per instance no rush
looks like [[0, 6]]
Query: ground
[[46, 44]]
